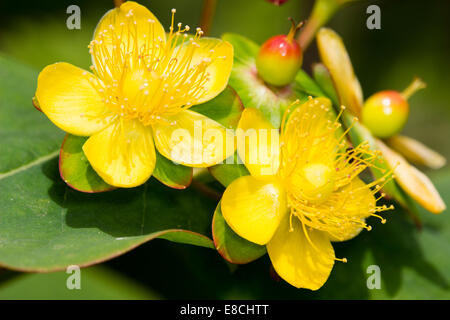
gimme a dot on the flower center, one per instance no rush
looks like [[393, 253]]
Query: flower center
[[144, 76], [314, 182]]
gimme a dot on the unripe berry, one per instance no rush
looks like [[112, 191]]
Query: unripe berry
[[385, 113], [280, 58]]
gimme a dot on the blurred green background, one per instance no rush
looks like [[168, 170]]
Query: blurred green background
[[414, 40]]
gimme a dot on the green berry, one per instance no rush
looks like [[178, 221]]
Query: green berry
[[385, 113]]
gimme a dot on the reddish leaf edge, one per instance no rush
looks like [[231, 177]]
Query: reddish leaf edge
[[35, 103], [150, 237], [177, 186]]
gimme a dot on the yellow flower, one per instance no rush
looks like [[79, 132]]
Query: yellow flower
[[138, 96], [311, 196]]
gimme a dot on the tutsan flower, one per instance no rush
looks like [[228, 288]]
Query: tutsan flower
[[307, 195], [142, 84]]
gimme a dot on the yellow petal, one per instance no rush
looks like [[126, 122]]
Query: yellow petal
[[417, 152], [192, 139], [254, 208], [123, 26], [66, 95], [355, 200], [414, 182], [217, 55], [258, 144], [335, 57], [308, 136], [123, 154], [302, 262]]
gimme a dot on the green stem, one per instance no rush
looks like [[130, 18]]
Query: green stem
[[294, 29], [206, 190], [209, 8], [415, 86], [321, 13], [201, 178]]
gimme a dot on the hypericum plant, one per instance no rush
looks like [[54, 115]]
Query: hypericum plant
[[301, 194], [142, 85]]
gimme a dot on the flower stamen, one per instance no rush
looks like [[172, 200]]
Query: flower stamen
[[321, 176], [143, 76]]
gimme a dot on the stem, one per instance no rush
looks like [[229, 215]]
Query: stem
[[206, 190], [209, 8], [415, 219], [201, 177], [117, 3], [321, 13], [294, 29], [416, 85]]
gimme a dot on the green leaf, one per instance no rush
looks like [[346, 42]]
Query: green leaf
[[226, 108], [45, 225], [75, 169], [25, 133], [323, 79], [171, 174], [96, 283], [304, 83], [232, 247], [230, 170], [245, 50]]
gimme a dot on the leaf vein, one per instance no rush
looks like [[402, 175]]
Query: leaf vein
[[29, 165]]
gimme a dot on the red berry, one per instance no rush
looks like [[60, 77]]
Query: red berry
[[280, 58]]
